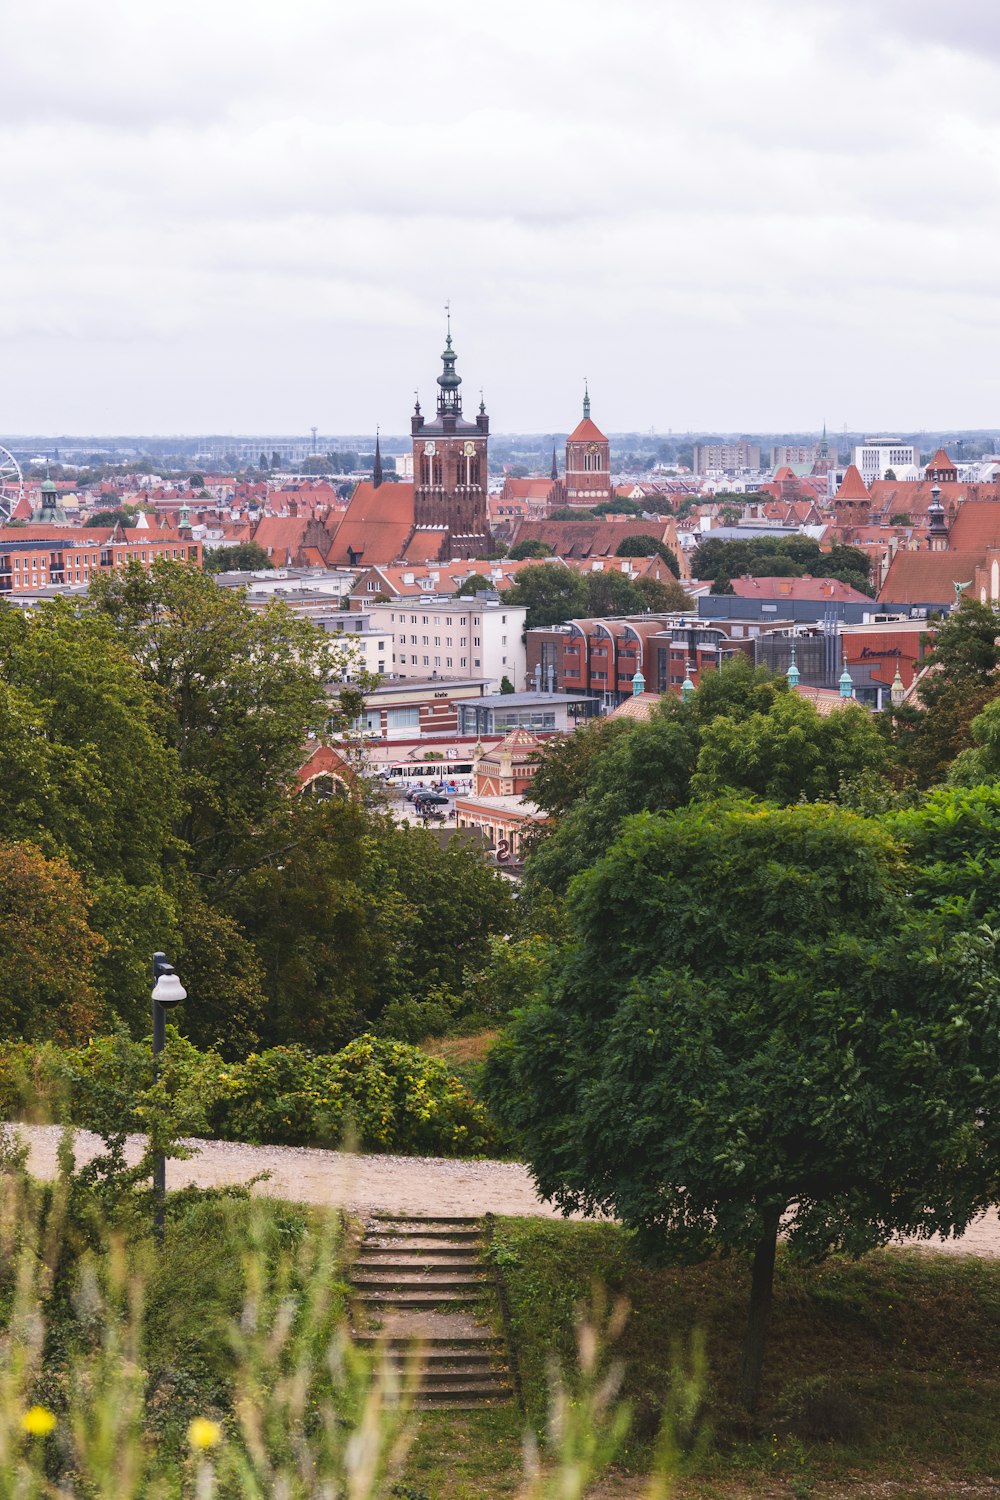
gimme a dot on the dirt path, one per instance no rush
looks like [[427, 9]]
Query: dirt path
[[390, 1184]]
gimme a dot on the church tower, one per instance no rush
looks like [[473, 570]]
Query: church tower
[[450, 468], [588, 462]]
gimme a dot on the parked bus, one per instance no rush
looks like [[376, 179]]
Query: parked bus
[[450, 774]]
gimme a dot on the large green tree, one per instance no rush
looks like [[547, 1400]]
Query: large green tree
[[595, 778], [551, 592], [89, 776], [960, 680], [747, 1033], [240, 689]]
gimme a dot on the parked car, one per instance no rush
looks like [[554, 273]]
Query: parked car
[[430, 799]]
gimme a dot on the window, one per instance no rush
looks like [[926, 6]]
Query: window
[[413, 619], [424, 641], [402, 718], [381, 647], [437, 661], [447, 661], [464, 662], [437, 640], [448, 640], [476, 642], [503, 640], [447, 619], [425, 619], [427, 661], [413, 660], [476, 662]]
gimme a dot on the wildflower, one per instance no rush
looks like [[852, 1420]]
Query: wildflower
[[38, 1421], [203, 1433]]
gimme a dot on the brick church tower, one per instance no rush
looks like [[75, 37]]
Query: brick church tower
[[450, 468], [588, 462]]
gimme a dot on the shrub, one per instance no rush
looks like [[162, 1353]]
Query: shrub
[[390, 1095]]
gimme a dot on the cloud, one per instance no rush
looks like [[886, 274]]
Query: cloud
[[247, 217]]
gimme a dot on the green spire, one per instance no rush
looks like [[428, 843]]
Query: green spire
[[638, 682], [846, 682], [793, 672], [687, 686], [586, 401]]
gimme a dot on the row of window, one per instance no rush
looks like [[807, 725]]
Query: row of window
[[448, 661], [426, 619], [425, 640]]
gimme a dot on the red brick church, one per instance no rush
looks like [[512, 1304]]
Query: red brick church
[[443, 514]]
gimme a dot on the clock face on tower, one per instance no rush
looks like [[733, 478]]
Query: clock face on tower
[[430, 449], [470, 449]]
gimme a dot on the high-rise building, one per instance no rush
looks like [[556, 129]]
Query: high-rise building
[[877, 455], [726, 458]]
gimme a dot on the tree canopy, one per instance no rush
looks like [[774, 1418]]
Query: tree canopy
[[244, 557], [745, 1031], [780, 557]]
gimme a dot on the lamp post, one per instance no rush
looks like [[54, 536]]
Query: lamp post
[[167, 991]]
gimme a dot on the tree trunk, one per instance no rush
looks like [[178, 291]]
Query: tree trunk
[[761, 1291]]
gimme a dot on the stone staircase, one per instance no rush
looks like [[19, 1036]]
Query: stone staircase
[[421, 1282]]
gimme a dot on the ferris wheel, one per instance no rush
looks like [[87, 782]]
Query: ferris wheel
[[11, 484]]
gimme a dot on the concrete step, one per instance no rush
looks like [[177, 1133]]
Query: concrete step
[[454, 1346], [410, 1247], [391, 1298], [431, 1232], [424, 1276], [422, 1220], [496, 1390]]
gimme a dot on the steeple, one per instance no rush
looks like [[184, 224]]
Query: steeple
[[897, 692], [555, 465], [586, 401], [377, 471], [449, 396], [793, 673], [846, 682]]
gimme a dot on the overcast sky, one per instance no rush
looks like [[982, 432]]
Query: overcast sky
[[246, 215]]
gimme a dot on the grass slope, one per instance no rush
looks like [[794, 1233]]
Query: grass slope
[[889, 1366]]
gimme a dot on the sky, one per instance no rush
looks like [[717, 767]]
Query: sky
[[728, 215]]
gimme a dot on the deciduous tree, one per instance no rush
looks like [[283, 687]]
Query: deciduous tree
[[746, 1033]]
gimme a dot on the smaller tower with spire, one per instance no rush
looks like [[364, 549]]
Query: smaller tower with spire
[[587, 480], [377, 470], [937, 526]]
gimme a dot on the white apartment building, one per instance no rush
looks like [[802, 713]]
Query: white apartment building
[[370, 642], [455, 638], [877, 455]]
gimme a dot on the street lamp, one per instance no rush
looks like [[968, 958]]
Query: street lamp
[[167, 991]]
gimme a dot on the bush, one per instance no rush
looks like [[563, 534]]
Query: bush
[[389, 1095]]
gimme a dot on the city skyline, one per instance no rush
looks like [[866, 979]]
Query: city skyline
[[728, 217]]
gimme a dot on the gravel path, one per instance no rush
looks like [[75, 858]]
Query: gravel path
[[387, 1184]]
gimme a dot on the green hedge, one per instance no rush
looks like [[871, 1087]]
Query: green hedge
[[378, 1094]]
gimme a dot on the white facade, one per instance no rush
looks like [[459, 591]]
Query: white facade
[[876, 456], [455, 638], [370, 643]]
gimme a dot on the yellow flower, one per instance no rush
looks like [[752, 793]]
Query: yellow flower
[[39, 1421], [204, 1434]]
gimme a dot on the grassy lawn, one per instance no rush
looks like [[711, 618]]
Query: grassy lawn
[[887, 1368]]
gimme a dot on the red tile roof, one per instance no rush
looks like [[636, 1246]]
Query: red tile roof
[[853, 486], [375, 526], [425, 544], [575, 539], [586, 432], [977, 526], [799, 588], [927, 577], [940, 461]]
